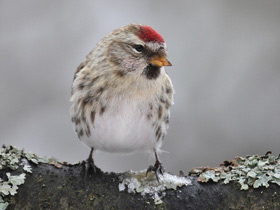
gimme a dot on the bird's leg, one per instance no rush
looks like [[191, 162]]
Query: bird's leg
[[89, 163], [157, 168]]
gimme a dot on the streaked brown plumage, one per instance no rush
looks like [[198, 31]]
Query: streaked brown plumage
[[121, 94]]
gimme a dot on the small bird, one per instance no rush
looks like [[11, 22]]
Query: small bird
[[121, 94]]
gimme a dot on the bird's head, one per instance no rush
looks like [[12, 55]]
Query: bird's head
[[136, 50]]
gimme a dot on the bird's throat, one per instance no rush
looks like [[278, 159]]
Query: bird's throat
[[151, 72]]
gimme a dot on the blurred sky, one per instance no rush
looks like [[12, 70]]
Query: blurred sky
[[226, 73]]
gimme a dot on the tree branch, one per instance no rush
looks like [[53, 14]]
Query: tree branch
[[55, 185]]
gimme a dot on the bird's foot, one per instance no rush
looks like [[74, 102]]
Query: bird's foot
[[88, 166], [157, 169]]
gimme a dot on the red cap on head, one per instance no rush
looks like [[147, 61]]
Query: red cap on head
[[147, 34]]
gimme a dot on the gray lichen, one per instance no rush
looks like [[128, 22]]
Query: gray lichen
[[138, 182], [13, 158], [254, 171]]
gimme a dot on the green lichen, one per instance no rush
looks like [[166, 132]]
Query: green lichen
[[251, 171], [3, 204], [9, 187], [27, 168], [12, 158]]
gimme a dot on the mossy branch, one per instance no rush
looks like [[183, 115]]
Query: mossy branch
[[49, 184]]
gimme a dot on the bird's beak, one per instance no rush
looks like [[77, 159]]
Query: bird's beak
[[160, 61]]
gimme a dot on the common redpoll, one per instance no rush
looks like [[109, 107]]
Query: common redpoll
[[121, 94]]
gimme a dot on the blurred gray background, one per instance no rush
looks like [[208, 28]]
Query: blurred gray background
[[226, 73]]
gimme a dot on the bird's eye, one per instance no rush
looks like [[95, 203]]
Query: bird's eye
[[139, 48]]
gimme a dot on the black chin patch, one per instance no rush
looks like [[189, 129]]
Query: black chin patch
[[151, 72]]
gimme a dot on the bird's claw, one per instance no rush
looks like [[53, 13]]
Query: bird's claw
[[89, 166], [157, 168]]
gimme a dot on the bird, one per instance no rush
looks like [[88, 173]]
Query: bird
[[121, 94]]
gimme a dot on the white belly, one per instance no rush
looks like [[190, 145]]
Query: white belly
[[122, 128]]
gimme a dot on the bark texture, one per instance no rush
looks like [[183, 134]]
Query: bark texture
[[69, 187]]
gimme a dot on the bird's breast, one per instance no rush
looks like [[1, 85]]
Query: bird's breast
[[122, 126]]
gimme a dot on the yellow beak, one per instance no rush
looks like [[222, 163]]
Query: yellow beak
[[160, 61]]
